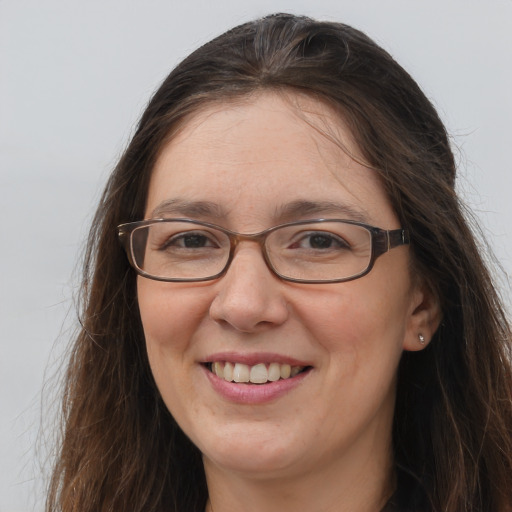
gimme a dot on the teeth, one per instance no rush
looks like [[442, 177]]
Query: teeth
[[257, 374], [228, 372], [274, 371], [218, 369], [285, 371], [294, 370], [241, 373]]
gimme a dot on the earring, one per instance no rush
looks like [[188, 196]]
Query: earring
[[421, 339]]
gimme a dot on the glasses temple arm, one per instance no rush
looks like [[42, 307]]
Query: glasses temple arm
[[398, 237]]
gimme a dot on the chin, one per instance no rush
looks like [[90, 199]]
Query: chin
[[256, 467], [251, 454]]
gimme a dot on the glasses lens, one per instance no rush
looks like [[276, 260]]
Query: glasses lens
[[320, 251], [179, 250]]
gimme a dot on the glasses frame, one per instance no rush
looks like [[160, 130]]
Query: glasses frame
[[382, 241]]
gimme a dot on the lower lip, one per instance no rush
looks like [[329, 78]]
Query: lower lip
[[247, 393]]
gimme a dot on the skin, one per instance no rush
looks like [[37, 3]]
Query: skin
[[326, 444]]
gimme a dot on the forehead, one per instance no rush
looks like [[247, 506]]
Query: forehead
[[277, 119], [265, 150]]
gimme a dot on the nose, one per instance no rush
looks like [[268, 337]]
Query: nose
[[249, 297]]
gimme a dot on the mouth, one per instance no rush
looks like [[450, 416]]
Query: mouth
[[261, 373]]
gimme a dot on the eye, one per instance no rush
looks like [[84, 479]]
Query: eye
[[191, 240], [320, 240]]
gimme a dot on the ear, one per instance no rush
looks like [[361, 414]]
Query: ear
[[424, 317]]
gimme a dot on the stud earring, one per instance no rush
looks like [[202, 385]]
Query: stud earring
[[421, 339]]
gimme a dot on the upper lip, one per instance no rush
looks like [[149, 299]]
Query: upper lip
[[252, 359]]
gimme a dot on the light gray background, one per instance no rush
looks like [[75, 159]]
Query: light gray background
[[74, 77]]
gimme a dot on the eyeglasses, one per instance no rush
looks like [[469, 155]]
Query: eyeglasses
[[312, 251]]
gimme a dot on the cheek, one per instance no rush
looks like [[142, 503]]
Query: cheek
[[362, 330], [171, 318], [170, 315]]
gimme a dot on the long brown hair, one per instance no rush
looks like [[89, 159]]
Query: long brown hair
[[121, 449]]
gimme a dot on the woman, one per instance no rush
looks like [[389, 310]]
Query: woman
[[303, 320]]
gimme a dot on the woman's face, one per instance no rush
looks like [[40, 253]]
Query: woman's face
[[248, 166]]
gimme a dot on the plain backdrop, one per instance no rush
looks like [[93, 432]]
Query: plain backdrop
[[75, 76]]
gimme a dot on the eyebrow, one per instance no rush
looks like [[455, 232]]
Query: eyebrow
[[188, 208], [294, 210], [304, 208]]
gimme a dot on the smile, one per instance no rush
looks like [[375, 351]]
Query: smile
[[260, 373]]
